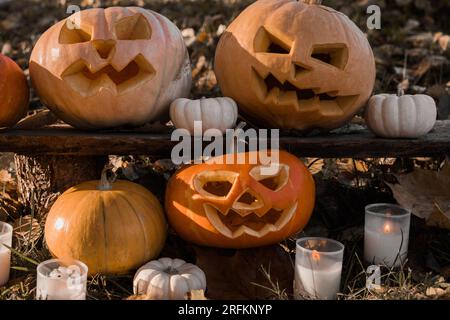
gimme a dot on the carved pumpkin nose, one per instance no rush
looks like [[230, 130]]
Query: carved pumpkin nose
[[104, 47], [248, 202]]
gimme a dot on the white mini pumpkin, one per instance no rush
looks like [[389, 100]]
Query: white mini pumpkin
[[215, 113], [168, 279], [403, 116]]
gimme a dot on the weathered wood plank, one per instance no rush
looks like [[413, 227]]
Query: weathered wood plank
[[61, 140]]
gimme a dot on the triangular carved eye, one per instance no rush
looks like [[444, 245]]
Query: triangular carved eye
[[335, 54], [267, 42], [74, 35], [215, 184], [133, 28], [273, 181]]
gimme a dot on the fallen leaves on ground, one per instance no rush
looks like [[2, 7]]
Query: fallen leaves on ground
[[9, 207], [426, 193], [246, 273]]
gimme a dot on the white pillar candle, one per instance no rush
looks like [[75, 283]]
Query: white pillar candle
[[61, 281], [318, 268], [386, 234], [6, 231]]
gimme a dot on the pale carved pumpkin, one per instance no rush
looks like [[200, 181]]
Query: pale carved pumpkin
[[240, 205], [294, 65], [214, 113], [168, 279], [401, 116], [14, 93], [112, 228], [122, 67]]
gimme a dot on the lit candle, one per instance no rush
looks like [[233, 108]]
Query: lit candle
[[386, 234], [6, 231], [58, 280], [318, 268]]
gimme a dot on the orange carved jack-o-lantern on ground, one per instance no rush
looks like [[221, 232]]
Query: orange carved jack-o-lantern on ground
[[240, 205], [295, 65], [103, 68]]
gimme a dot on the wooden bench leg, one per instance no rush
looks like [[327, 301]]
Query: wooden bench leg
[[41, 178]]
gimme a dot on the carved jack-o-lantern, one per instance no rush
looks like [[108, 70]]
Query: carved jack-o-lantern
[[103, 68], [240, 205], [295, 65]]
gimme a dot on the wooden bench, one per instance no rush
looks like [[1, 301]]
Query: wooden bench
[[53, 158]]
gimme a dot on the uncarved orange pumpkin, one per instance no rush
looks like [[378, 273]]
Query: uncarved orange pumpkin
[[113, 229], [103, 68], [240, 205], [14, 92], [294, 65]]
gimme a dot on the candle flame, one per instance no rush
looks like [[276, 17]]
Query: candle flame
[[387, 228], [315, 255]]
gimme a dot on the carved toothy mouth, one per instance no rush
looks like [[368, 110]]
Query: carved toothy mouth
[[273, 91], [233, 224], [88, 81]]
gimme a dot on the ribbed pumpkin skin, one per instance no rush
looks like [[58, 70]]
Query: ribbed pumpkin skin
[[14, 93], [406, 116], [112, 231], [214, 113]]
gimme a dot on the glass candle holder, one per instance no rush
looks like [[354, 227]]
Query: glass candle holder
[[386, 234], [318, 268], [6, 233], [61, 280]]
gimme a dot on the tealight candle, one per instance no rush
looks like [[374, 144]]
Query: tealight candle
[[386, 234], [61, 280], [6, 232], [318, 268]]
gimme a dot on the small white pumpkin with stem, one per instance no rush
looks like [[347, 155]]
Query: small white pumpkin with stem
[[214, 113], [168, 279], [401, 116]]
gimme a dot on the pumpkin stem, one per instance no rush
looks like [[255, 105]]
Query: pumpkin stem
[[171, 271], [319, 2], [105, 181], [400, 90]]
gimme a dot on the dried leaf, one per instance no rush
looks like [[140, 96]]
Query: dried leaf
[[7, 181], [422, 68], [9, 207], [207, 81], [421, 39], [442, 39], [423, 191], [435, 292], [438, 219], [189, 36], [314, 165], [221, 30], [138, 297], [199, 66], [404, 85], [36, 120], [202, 36]]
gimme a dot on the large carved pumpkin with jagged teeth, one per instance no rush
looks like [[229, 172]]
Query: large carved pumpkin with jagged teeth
[[295, 65], [240, 205], [103, 68]]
